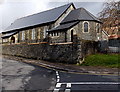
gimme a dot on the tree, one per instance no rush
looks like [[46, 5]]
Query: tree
[[110, 16]]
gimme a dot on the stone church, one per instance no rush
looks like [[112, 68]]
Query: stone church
[[58, 26]]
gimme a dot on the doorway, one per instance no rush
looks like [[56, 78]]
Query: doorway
[[12, 39], [71, 35]]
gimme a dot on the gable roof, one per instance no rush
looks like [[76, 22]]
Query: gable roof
[[73, 19], [8, 35], [80, 14], [45, 17], [65, 26]]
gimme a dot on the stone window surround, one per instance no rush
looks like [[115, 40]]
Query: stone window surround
[[70, 32], [23, 35], [97, 28], [55, 34], [33, 34], [83, 26], [45, 33]]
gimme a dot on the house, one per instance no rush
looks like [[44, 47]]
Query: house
[[63, 34]]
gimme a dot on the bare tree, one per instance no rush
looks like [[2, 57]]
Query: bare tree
[[110, 16]]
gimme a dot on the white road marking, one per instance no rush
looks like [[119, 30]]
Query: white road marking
[[58, 85], [68, 85], [84, 83], [67, 90], [58, 77], [58, 80], [57, 73], [56, 90]]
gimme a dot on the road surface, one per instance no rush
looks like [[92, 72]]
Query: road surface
[[21, 76]]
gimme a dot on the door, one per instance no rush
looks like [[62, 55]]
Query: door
[[71, 35]]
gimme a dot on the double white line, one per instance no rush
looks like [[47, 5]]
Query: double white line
[[58, 85], [68, 85], [91, 83]]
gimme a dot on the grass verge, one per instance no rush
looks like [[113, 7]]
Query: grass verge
[[105, 60]]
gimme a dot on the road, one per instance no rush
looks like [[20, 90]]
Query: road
[[21, 76]]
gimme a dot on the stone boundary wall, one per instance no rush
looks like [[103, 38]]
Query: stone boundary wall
[[65, 53]]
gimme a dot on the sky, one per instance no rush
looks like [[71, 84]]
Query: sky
[[10, 10]]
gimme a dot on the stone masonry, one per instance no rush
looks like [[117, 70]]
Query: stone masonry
[[65, 53]]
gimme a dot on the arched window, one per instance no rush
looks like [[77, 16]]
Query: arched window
[[97, 28], [86, 26]]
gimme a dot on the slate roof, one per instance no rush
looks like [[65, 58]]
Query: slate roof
[[80, 14], [64, 26], [8, 35], [48, 16], [74, 16]]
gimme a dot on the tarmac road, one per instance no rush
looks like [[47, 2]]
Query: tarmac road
[[21, 76]]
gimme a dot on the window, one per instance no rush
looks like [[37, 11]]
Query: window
[[97, 28], [45, 29], [5, 40], [33, 34], [85, 27], [54, 34], [39, 33], [57, 34], [23, 35]]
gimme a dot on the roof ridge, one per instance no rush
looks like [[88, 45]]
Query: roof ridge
[[45, 11]]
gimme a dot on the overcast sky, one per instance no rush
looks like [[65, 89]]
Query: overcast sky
[[10, 10]]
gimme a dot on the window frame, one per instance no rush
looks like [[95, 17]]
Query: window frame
[[97, 27], [23, 36], [83, 26], [54, 34], [33, 34]]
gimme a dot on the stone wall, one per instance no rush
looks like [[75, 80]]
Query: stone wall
[[65, 52], [58, 39], [91, 35]]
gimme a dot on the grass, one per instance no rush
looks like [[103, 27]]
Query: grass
[[105, 60]]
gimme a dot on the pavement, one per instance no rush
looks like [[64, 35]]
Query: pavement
[[71, 68]]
